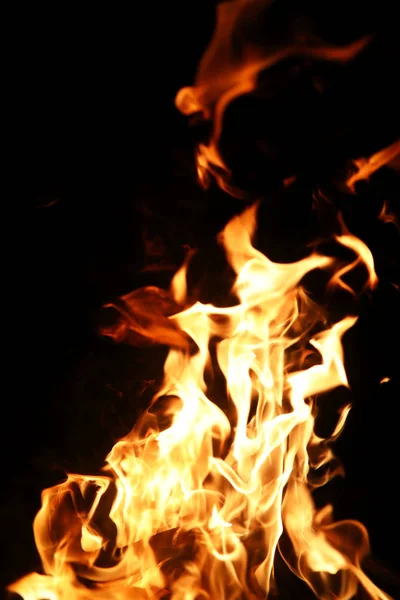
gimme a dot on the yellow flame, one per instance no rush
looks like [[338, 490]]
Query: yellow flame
[[203, 498]]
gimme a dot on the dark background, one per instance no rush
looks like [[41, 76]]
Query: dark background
[[108, 201]]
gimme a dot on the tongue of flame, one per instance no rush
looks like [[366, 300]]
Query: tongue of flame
[[232, 63], [200, 502]]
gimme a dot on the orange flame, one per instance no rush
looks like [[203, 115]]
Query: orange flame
[[230, 67], [202, 498], [387, 216], [367, 166]]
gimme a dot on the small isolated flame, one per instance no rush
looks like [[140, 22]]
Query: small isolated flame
[[387, 216], [202, 498], [365, 167]]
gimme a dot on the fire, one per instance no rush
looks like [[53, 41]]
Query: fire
[[202, 498], [230, 68], [386, 216], [367, 166], [198, 500]]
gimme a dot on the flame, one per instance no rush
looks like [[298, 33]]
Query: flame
[[198, 499], [230, 68], [367, 166], [387, 216], [203, 498]]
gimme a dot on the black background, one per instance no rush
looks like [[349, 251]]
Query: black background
[[104, 166]]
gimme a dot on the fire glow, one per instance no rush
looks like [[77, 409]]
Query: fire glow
[[197, 500]]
